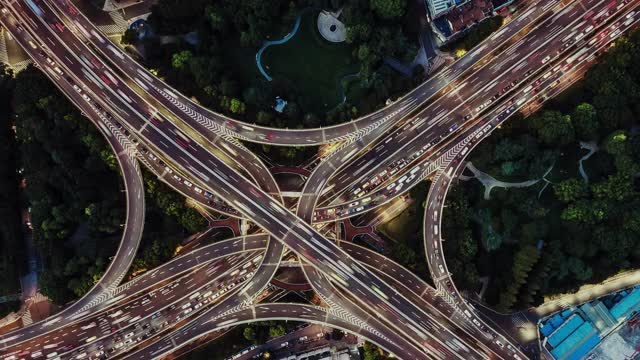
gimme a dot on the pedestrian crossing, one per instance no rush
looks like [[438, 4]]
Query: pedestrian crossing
[[519, 320], [26, 318], [119, 25], [19, 66]]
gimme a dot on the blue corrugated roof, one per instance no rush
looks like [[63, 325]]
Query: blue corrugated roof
[[547, 329], [565, 330], [583, 349], [620, 309], [565, 347], [556, 320], [567, 312]]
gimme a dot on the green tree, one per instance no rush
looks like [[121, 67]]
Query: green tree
[[585, 121], [276, 330], [570, 190], [389, 8], [236, 106], [617, 187], [181, 59], [249, 333], [554, 128], [129, 36], [617, 143], [372, 352]]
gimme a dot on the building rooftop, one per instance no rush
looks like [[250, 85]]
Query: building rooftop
[[577, 331]]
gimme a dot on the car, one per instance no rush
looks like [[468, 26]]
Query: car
[[499, 343], [188, 183]]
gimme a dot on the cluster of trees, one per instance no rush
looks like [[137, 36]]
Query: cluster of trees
[[12, 262], [173, 204], [211, 72], [371, 352], [459, 239], [474, 36], [74, 197], [578, 229], [375, 29], [73, 189], [260, 332], [8, 307]]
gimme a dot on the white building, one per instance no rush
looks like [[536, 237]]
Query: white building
[[437, 7]]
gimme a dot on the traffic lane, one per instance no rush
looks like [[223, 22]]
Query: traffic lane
[[167, 305], [304, 210], [323, 212], [260, 312], [259, 209], [76, 333], [133, 223], [257, 170], [396, 144], [435, 202], [174, 268], [185, 263], [316, 136]]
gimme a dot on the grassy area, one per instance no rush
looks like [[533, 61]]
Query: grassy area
[[311, 63], [402, 226]]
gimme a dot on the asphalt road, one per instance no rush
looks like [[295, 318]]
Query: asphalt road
[[210, 162]]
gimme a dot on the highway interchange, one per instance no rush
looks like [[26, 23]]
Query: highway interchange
[[379, 157]]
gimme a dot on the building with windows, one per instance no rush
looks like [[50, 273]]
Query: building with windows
[[439, 7]]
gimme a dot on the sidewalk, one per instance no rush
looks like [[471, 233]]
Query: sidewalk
[[588, 292]]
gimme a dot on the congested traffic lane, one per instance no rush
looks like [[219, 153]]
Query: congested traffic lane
[[264, 211], [449, 172], [236, 155], [257, 312], [306, 137], [395, 173], [134, 220], [151, 128], [98, 330], [148, 282], [469, 98], [241, 155]]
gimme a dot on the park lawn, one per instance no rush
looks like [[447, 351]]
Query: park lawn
[[314, 65]]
